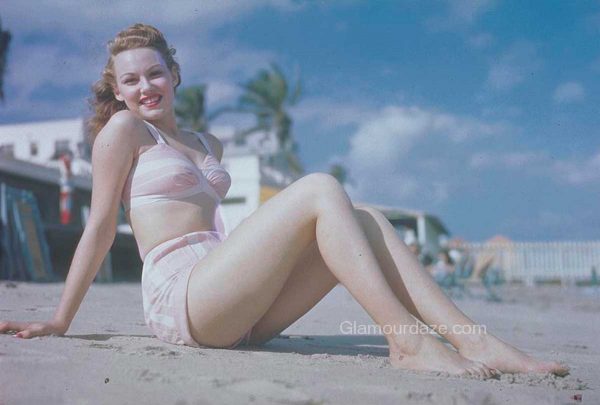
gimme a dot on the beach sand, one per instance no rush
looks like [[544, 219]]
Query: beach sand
[[109, 355]]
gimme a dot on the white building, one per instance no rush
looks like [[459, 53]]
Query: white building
[[42, 142]]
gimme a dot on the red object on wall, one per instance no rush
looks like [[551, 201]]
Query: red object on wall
[[65, 203]]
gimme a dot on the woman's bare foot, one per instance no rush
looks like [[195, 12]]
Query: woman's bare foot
[[505, 358], [432, 355]]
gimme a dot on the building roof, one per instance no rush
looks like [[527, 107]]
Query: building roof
[[71, 127], [46, 174], [393, 212]]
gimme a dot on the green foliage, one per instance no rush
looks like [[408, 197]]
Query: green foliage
[[267, 95], [340, 172], [4, 42], [190, 107]]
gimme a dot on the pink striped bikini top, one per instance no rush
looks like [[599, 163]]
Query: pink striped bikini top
[[162, 173]]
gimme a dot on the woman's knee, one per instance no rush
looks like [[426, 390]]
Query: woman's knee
[[320, 184]]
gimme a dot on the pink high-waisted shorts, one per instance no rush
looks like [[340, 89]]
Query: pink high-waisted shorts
[[165, 275]]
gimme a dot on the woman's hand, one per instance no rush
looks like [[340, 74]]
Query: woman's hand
[[28, 330]]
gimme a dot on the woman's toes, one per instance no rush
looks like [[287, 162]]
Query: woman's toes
[[482, 369], [560, 370], [468, 373], [475, 372], [481, 372]]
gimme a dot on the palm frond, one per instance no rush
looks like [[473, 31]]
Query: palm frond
[[266, 96], [5, 38]]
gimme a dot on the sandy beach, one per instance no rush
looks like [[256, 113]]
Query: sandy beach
[[109, 355]]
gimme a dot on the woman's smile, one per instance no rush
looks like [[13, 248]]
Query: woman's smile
[[151, 101]]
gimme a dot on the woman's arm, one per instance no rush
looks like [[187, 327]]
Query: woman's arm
[[112, 158]]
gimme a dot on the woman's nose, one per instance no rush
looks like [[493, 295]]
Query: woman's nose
[[145, 83]]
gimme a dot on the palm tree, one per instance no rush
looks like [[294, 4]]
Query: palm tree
[[339, 172], [267, 96], [4, 41], [190, 107]]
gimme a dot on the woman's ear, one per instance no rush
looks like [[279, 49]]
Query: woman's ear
[[117, 94], [176, 78]]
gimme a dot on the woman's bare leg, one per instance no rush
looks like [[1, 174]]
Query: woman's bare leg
[[311, 280], [236, 283], [421, 295]]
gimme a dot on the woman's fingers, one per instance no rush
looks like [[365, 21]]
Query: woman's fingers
[[35, 329], [28, 330], [12, 325], [25, 333]]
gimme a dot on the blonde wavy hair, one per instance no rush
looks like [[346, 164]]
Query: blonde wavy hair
[[103, 102]]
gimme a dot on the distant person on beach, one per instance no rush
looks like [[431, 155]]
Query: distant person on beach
[[202, 288], [415, 248], [442, 268]]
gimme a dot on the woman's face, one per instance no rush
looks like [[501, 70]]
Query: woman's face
[[144, 83]]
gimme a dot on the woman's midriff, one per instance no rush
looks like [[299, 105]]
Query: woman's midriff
[[153, 224]]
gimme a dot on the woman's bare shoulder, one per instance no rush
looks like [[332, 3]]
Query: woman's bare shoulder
[[123, 128], [124, 120]]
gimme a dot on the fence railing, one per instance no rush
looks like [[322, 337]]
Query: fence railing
[[541, 261]]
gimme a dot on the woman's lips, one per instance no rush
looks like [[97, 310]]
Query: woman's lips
[[148, 103]]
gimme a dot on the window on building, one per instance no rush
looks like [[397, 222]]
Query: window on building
[[33, 149], [84, 151], [61, 147], [239, 141], [7, 150]]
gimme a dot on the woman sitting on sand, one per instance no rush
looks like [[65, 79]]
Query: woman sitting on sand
[[202, 289]]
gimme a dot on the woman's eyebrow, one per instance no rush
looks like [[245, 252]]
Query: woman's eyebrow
[[151, 67]]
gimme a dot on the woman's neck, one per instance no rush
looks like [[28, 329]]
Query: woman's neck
[[168, 126]]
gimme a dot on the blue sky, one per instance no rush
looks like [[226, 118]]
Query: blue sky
[[485, 113]]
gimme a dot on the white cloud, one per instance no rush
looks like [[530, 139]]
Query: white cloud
[[221, 92], [469, 10], [458, 14], [579, 172], [36, 65], [511, 160], [383, 162], [573, 171], [569, 92], [381, 141], [513, 66], [385, 138], [329, 114]]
